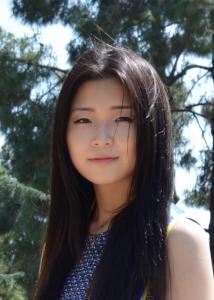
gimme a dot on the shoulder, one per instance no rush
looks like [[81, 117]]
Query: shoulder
[[188, 241], [189, 262], [183, 228]]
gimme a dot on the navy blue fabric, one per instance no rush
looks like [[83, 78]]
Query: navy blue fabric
[[79, 279]]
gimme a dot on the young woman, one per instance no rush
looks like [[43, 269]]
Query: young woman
[[113, 232]]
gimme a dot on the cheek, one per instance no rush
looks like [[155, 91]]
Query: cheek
[[76, 138], [75, 144]]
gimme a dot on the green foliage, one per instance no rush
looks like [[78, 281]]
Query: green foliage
[[9, 289], [200, 195], [10, 197], [3, 171], [27, 97], [39, 11], [178, 96], [160, 30], [23, 216], [187, 160]]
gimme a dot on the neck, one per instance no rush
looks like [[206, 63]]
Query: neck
[[110, 199]]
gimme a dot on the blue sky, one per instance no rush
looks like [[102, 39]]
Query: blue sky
[[58, 36]]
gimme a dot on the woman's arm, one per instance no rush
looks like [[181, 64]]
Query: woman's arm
[[190, 263]]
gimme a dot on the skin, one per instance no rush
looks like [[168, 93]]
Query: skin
[[103, 132], [190, 263]]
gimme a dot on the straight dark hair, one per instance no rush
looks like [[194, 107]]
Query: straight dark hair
[[135, 255]]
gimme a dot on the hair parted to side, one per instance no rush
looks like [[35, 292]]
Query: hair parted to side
[[135, 255]]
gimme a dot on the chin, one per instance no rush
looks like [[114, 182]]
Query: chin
[[103, 181]]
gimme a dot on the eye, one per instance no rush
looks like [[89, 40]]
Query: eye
[[126, 119], [85, 120], [80, 121]]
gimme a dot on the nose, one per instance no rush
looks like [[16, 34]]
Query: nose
[[102, 137]]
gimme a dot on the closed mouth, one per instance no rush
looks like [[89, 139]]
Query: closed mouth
[[103, 158]]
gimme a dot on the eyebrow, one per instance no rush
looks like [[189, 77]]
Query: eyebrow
[[92, 109]]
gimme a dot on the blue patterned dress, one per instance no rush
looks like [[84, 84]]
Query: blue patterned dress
[[79, 279]]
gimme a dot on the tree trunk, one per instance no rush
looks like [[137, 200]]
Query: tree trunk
[[211, 225]]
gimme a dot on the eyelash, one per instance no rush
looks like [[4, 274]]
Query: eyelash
[[78, 121]]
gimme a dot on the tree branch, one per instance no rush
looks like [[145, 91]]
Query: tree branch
[[47, 92], [186, 109], [196, 82], [184, 71], [195, 115], [171, 75], [32, 63], [202, 132], [190, 106]]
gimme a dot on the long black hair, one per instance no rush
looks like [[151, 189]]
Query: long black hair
[[135, 255]]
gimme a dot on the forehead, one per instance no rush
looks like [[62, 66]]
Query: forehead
[[102, 92]]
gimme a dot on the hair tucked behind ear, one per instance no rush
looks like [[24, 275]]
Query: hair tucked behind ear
[[135, 255]]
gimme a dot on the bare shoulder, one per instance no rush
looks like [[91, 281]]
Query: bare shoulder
[[186, 229], [189, 262]]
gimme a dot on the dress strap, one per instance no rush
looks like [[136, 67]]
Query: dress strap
[[145, 294], [172, 224]]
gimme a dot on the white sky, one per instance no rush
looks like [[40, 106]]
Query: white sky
[[58, 37]]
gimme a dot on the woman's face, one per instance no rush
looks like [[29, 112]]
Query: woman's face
[[98, 128]]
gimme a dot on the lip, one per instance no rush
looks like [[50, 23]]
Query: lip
[[103, 159]]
